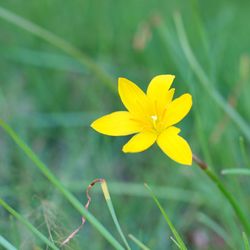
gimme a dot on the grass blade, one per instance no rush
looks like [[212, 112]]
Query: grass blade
[[175, 242], [227, 194], [28, 225], [174, 231], [5, 243], [205, 81], [54, 181], [236, 171], [138, 242], [246, 242], [59, 43], [112, 211]]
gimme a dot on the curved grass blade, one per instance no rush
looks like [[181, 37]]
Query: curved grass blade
[[110, 207], [171, 226], [112, 211], [246, 242], [205, 81], [65, 192], [138, 242], [59, 43], [28, 225], [5, 243], [236, 171]]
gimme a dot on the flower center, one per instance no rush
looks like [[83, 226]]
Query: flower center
[[154, 118], [155, 121]]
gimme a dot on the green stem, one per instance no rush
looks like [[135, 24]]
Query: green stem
[[59, 43], [28, 225], [69, 196], [214, 178]]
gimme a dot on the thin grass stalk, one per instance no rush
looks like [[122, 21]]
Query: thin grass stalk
[[6, 244], [236, 171], [246, 242], [108, 200], [214, 178], [138, 242], [59, 43], [175, 242], [204, 80], [28, 225], [55, 182], [170, 224]]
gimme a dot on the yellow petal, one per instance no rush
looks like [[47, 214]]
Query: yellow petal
[[169, 97], [177, 110], [117, 124], [139, 142], [158, 91], [175, 146], [133, 98]]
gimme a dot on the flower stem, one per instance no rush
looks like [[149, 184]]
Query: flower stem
[[213, 177]]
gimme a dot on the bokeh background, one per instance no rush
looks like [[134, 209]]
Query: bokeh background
[[50, 99]]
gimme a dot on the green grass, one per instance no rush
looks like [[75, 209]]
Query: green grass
[[56, 80]]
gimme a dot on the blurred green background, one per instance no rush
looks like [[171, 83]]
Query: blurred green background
[[50, 99]]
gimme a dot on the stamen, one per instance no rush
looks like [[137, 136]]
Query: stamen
[[154, 118]]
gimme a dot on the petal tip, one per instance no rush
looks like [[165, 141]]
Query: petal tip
[[92, 125], [122, 84], [189, 96], [188, 163], [125, 150], [121, 80]]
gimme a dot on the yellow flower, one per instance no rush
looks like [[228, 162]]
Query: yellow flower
[[151, 117]]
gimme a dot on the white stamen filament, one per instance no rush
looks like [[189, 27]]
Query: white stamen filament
[[154, 118]]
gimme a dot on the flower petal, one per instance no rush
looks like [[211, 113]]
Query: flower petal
[[139, 142], [169, 97], [133, 98], [175, 146], [117, 124], [177, 110], [158, 91]]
